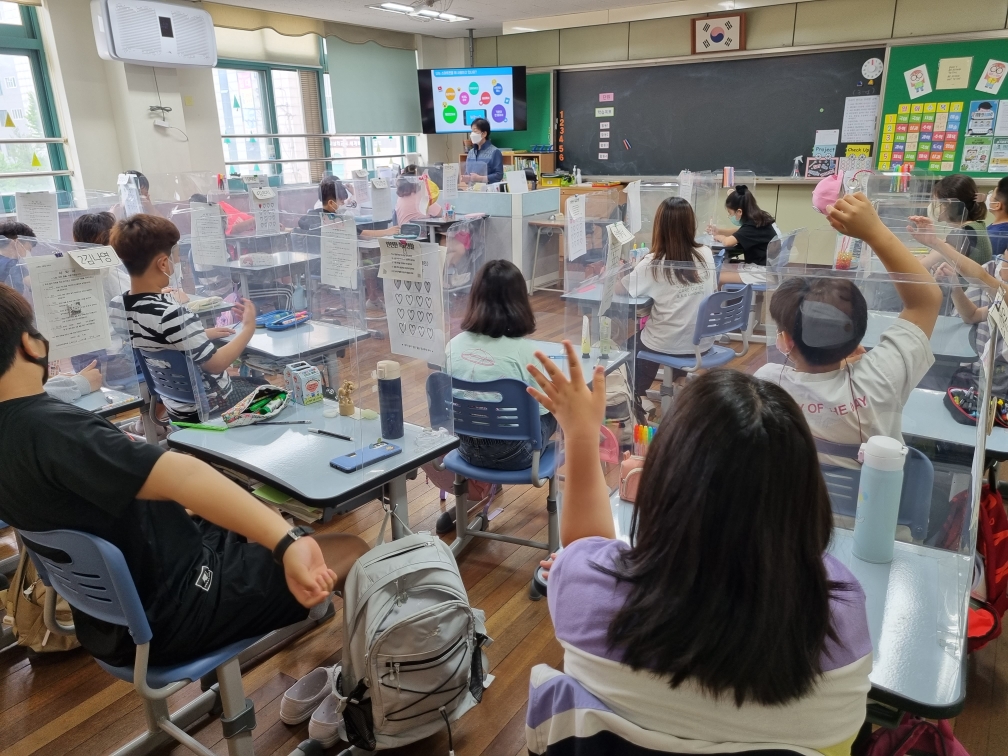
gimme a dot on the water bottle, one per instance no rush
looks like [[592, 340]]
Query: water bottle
[[878, 499], [390, 404]]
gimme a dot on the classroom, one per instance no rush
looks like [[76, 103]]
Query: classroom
[[591, 377]]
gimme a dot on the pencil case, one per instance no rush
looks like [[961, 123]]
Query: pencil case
[[290, 320], [269, 317], [249, 410]]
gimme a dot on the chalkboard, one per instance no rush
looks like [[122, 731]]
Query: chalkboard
[[754, 113]]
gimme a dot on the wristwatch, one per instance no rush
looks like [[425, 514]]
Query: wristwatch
[[289, 537]]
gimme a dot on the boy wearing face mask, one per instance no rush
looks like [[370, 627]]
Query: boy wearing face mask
[[484, 151], [146, 244], [847, 397]]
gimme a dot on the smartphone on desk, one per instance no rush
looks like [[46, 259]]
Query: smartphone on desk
[[360, 458]]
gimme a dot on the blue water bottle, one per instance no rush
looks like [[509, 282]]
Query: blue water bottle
[[390, 404], [878, 500]]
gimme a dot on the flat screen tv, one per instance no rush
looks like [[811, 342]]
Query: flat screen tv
[[452, 98]]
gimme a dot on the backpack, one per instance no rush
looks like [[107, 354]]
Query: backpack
[[24, 604], [932, 738], [619, 405], [413, 658]]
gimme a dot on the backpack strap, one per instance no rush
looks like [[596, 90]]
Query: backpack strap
[[389, 514]]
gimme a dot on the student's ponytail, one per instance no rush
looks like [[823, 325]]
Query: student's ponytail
[[742, 199], [962, 189]]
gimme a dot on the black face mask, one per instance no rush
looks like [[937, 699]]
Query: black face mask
[[42, 362]]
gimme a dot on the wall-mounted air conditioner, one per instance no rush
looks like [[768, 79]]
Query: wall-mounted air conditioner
[[151, 33]]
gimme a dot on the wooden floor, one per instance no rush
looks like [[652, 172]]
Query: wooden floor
[[71, 706]]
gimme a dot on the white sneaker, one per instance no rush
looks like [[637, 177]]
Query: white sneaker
[[304, 696], [325, 722]]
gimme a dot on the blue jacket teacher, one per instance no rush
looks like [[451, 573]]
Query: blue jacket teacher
[[484, 152]]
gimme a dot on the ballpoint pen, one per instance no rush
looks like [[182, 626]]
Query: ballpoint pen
[[321, 432]]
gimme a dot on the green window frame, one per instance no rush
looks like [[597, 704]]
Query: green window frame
[[26, 39]]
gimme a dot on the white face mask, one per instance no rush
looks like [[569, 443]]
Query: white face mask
[[476, 137], [174, 274]]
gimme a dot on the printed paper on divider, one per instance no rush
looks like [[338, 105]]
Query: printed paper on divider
[[70, 307], [39, 211], [634, 206], [997, 313], [361, 187], [209, 247], [129, 195], [574, 233], [618, 235], [381, 201], [402, 259], [94, 258], [414, 311], [450, 177], [339, 251], [516, 182], [266, 210]]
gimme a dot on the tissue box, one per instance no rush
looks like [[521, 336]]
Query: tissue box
[[304, 382]]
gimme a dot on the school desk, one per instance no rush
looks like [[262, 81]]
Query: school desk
[[310, 339], [550, 227], [555, 351], [925, 416], [296, 461], [949, 340], [278, 260], [589, 296], [916, 608], [107, 402]]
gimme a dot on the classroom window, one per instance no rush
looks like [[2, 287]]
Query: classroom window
[[290, 119], [241, 110], [27, 109]]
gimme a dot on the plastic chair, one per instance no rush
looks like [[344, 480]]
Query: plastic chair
[[512, 417], [721, 312], [168, 374], [915, 496], [92, 575]]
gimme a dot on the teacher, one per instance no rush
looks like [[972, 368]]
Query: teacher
[[483, 151]]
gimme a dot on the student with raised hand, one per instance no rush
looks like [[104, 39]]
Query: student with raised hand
[[201, 585], [753, 229], [663, 631], [147, 246], [848, 395], [676, 274]]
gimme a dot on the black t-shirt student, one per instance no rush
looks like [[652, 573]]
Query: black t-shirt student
[[62, 467], [752, 242]]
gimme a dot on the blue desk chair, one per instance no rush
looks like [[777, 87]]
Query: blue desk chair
[[915, 497], [721, 312], [91, 574], [169, 374], [512, 417]]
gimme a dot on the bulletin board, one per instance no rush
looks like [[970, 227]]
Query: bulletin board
[[942, 109]]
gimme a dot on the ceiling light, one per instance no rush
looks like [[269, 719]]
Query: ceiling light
[[451, 17], [396, 7], [420, 14], [427, 12]]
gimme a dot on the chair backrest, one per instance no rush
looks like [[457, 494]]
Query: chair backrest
[[169, 374], [915, 496], [500, 410], [91, 574], [723, 312]]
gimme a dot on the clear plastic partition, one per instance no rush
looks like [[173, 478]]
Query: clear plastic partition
[[472, 176], [586, 216], [651, 197], [465, 252], [729, 180], [702, 190], [412, 206], [76, 292], [298, 199]]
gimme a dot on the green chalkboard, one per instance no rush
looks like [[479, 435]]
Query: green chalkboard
[[961, 129], [538, 94]]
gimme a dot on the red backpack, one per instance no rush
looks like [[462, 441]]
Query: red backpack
[[984, 623], [928, 738]]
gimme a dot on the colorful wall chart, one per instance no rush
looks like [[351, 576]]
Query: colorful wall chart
[[958, 125]]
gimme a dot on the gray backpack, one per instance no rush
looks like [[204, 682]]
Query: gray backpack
[[413, 658]]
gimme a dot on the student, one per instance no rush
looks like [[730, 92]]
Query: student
[[412, 201], [483, 151], [677, 273], [143, 186], [16, 241], [725, 621], [955, 202], [997, 231], [146, 246], [492, 345], [847, 397], [202, 587], [333, 195], [95, 228], [753, 230]]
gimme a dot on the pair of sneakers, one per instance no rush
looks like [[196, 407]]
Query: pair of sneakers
[[315, 696]]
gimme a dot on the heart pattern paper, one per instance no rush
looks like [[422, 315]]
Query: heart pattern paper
[[415, 314]]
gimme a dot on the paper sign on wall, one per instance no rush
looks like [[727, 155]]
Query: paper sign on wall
[[992, 76], [633, 190], [70, 307], [603, 156], [606, 97], [414, 311], [858, 150], [603, 124], [449, 177], [400, 259], [381, 201], [999, 156], [859, 116], [266, 210], [574, 231], [918, 82], [604, 112], [38, 211], [209, 247], [361, 187], [954, 73], [339, 251], [516, 182]]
